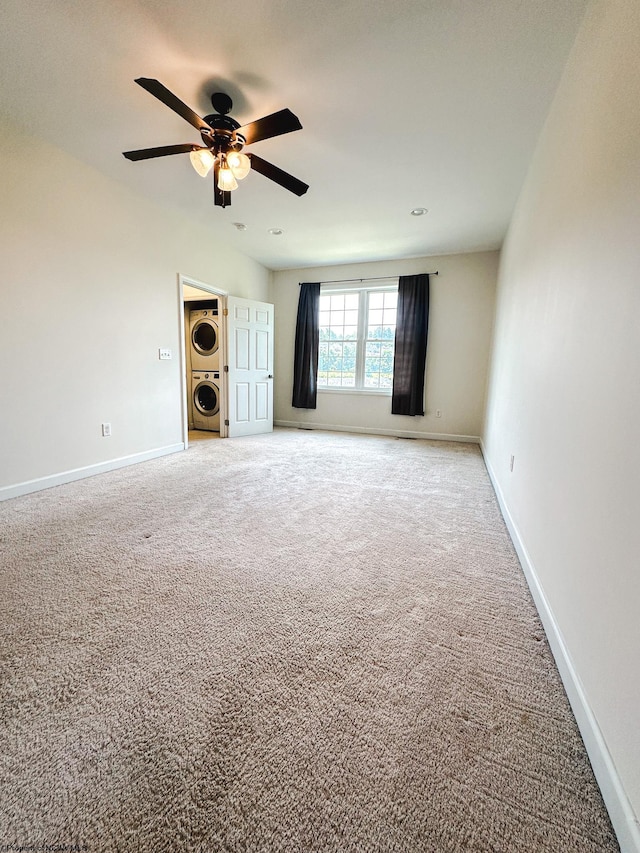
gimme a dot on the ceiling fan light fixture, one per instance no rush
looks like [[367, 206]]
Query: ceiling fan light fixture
[[239, 164], [202, 161], [226, 180]]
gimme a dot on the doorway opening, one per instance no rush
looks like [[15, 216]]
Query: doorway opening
[[209, 351]]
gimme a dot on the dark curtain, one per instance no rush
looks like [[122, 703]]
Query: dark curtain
[[410, 352], [305, 364]]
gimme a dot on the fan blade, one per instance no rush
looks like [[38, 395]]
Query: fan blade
[[220, 198], [161, 92], [274, 125], [275, 174], [164, 151]]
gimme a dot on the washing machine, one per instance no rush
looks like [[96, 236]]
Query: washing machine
[[204, 334], [205, 399]]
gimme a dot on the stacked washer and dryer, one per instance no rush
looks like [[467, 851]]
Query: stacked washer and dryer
[[204, 399]]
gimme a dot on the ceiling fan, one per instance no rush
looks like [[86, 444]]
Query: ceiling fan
[[224, 139]]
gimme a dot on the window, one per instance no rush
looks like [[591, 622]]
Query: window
[[357, 334]]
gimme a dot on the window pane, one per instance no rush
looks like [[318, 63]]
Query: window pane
[[337, 301], [378, 374], [351, 333], [373, 350], [391, 299], [376, 300], [323, 363], [371, 373], [375, 319], [389, 316], [352, 301], [387, 349]]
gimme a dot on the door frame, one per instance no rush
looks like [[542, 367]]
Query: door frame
[[222, 294]]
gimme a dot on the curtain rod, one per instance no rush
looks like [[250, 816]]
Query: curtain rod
[[377, 278]]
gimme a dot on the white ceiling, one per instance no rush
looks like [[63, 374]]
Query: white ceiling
[[404, 104]]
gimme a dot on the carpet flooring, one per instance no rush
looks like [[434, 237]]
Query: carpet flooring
[[303, 641]]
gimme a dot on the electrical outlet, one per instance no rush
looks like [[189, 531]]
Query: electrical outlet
[[106, 430], [438, 413], [511, 461], [164, 354]]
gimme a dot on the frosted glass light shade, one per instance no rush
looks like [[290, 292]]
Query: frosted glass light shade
[[239, 164], [226, 181], [202, 160]]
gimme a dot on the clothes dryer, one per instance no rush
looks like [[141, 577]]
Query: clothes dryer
[[205, 400], [204, 334]]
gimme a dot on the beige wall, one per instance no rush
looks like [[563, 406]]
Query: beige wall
[[88, 294], [460, 322], [564, 396]]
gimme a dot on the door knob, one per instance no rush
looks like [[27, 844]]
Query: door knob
[[270, 376]]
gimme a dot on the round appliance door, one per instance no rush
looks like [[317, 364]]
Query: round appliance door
[[206, 398], [204, 337]]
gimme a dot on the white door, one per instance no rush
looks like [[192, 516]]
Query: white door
[[250, 375]]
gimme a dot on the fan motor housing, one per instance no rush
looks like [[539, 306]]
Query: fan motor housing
[[221, 122], [221, 141], [222, 137]]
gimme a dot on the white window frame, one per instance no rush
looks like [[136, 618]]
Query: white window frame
[[363, 289]]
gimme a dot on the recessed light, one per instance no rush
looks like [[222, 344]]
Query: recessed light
[[419, 211], [240, 226], [276, 231]]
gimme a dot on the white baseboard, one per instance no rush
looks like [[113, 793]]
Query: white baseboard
[[398, 433], [623, 818], [7, 492]]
